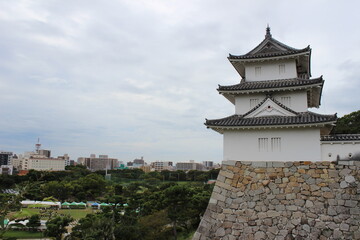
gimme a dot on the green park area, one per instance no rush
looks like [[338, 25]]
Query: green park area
[[22, 234], [74, 213], [132, 204]]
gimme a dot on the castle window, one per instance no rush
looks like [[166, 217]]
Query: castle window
[[263, 144], [281, 69], [257, 71], [286, 101], [254, 102], [276, 144]]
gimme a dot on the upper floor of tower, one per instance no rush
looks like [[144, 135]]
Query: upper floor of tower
[[272, 60]]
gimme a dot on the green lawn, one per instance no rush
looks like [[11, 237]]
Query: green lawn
[[23, 234], [25, 212], [75, 213]]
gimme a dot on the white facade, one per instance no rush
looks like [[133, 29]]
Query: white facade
[[272, 121], [298, 144], [44, 164], [260, 71], [162, 165], [31, 160], [296, 100], [340, 150]]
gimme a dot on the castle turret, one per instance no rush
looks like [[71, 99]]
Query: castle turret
[[272, 121]]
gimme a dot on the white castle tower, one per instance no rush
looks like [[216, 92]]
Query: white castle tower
[[272, 121]]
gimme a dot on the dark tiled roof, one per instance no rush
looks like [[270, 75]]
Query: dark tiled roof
[[300, 119], [294, 82], [269, 54], [341, 137], [270, 47]]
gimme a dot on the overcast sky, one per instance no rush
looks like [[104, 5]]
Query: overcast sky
[[134, 78]]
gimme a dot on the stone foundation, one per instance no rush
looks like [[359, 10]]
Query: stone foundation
[[284, 200]]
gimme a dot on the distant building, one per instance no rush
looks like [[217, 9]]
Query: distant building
[[139, 161], [67, 159], [46, 153], [6, 169], [146, 168], [192, 165], [161, 166], [103, 162], [32, 160], [6, 158], [208, 164]]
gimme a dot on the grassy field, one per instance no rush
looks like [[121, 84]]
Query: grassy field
[[75, 213], [23, 234]]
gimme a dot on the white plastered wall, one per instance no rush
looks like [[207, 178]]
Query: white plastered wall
[[298, 144], [270, 70], [298, 101], [331, 150]]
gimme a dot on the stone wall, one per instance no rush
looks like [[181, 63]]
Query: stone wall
[[284, 200]]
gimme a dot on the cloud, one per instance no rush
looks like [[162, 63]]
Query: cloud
[[138, 78]]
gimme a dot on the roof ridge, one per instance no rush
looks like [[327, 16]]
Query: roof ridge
[[301, 119], [287, 80], [318, 114]]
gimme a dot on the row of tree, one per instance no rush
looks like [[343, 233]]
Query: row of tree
[[151, 212]]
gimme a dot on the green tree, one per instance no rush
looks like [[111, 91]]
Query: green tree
[[95, 227], [56, 226], [34, 222], [178, 200], [59, 190], [155, 226], [348, 124], [8, 203]]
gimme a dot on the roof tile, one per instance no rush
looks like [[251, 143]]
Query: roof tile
[[301, 118], [268, 84]]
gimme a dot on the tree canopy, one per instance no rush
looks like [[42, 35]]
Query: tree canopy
[[348, 124]]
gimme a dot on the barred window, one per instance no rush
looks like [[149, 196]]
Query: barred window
[[276, 144], [281, 69], [257, 71], [254, 102], [286, 101], [263, 144]]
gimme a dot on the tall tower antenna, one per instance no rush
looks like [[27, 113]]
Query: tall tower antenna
[[37, 145]]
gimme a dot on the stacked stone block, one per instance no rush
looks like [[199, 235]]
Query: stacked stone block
[[284, 200]]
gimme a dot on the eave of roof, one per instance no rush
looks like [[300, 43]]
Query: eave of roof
[[340, 137], [302, 119], [270, 54], [273, 85]]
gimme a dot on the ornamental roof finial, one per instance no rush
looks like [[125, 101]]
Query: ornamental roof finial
[[268, 34]]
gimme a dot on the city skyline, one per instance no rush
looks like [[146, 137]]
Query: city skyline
[[131, 79]]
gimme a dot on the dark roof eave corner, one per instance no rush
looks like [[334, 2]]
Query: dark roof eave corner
[[320, 94], [310, 61], [230, 57]]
